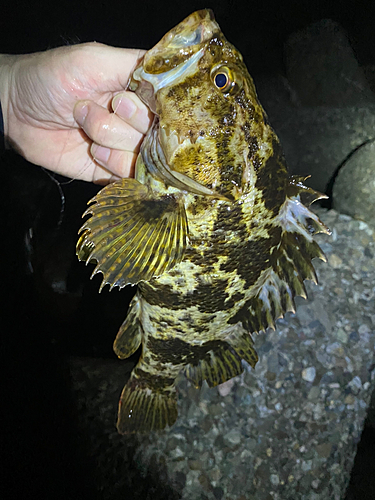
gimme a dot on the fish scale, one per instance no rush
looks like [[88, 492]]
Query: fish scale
[[213, 230]]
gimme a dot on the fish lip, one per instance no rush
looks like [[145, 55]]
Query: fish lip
[[175, 56], [193, 31], [164, 79]]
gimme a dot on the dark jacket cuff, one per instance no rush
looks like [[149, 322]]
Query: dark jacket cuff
[[2, 141]]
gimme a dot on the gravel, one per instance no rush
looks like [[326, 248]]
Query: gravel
[[286, 430]]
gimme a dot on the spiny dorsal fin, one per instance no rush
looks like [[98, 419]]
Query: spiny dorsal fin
[[291, 265], [133, 234], [307, 195]]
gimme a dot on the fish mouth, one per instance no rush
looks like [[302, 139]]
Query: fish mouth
[[174, 57]]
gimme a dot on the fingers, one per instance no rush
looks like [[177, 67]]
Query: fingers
[[120, 163], [132, 110], [105, 128], [116, 136]]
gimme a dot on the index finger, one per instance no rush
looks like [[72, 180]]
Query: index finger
[[108, 68]]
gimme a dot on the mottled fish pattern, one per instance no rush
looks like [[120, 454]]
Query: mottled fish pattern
[[212, 229]]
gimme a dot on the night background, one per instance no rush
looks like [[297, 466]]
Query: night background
[[44, 323]]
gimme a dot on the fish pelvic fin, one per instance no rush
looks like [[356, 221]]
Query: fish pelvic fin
[[129, 336], [222, 360], [133, 234], [144, 408]]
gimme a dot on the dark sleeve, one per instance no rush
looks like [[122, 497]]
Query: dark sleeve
[[2, 143]]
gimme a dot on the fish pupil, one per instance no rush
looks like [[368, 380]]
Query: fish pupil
[[221, 80]]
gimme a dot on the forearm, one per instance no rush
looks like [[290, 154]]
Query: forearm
[[7, 63]]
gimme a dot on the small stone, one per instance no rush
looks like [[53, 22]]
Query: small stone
[[177, 453], [215, 474], [290, 478], [269, 452], [355, 384], [233, 437], [225, 388], [180, 479], [204, 481], [349, 400], [309, 374], [195, 464], [275, 479], [245, 454], [334, 261], [172, 443], [270, 376], [306, 466], [363, 329], [324, 449], [315, 483], [342, 335], [218, 492], [313, 393]]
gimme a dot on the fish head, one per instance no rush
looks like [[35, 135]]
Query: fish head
[[208, 115]]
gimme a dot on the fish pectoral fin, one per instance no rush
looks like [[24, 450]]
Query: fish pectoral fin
[[218, 365], [143, 408], [129, 336], [133, 234]]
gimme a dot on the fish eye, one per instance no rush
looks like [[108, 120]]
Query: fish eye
[[223, 79]]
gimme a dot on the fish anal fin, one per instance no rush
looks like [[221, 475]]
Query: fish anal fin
[[133, 234], [129, 336], [219, 364], [143, 409], [243, 344]]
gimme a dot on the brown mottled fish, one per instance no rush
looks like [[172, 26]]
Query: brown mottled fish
[[212, 229]]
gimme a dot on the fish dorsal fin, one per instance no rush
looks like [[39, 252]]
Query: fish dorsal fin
[[133, 234], [291, 263]]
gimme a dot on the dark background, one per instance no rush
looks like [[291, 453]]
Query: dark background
[[50, 310]]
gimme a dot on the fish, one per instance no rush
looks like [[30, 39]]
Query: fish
[[215, 233]]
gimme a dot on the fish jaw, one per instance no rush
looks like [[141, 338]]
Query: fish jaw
[[174, 57], [177, 46]]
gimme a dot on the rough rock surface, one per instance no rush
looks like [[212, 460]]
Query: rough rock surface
[[322, 67], [287, 430], [324, 108], [354, 188]]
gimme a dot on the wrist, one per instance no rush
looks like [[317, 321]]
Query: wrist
[[7, 63]]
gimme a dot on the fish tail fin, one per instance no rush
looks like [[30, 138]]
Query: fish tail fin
[[143, 408]]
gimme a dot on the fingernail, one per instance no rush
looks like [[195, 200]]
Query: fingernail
[[124, 106], [100, 153], [80, 112]]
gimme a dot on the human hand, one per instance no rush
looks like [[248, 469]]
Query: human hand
[[57, 110]]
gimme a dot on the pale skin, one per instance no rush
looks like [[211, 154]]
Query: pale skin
[[67, 110]]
